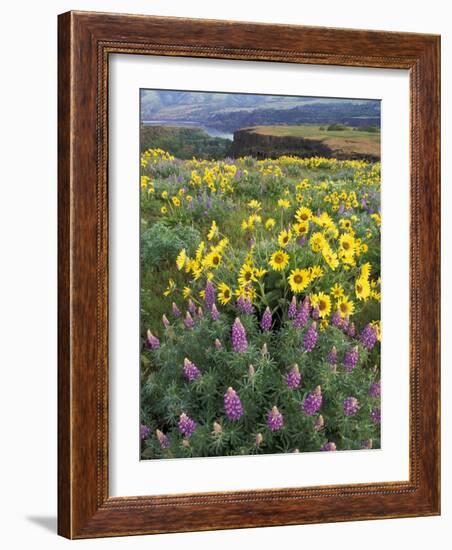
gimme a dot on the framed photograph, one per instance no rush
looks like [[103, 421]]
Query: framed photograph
[[249, 293]]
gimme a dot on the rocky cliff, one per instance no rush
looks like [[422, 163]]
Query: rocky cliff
[[249, 142]]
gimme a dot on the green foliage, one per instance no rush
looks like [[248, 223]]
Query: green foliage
[[184, 143], [160, 244], [166, 392]]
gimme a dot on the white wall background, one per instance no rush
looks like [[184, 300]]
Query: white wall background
[[28, 269]]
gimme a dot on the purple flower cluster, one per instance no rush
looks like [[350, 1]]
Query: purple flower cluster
[[191, 371], [153, 341], [351, 331], [351, 359], [292, 309], [368, 336], [313, 402], [310, 338], [176, 310], [351, 406], [375, 415], [165, 321], [338, 321], [188, 321], [245, 306], [293, 378], [329, 446], [162, 439], [238, 337], [266, 321], [191, 307], [232, 405], [302, 316], [375, 389], [315, 314], [209, 295], [275, 420], [145, 431], [187, 426], [332, 356], [214, 313]]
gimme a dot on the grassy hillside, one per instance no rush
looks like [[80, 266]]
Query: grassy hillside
[[347, 140]]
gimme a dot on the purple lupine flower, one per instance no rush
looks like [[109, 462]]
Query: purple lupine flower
[[145, 431], [292, 309], [275, 420], [332, 356], [191, 307], [351, 359], [313, 402], [214, 313], [367, 444], [245, 306], [187, 426], [200, 312], [188, 321], [153, 341], [209, 295], [232, 405], [368, 336], [315, 314], [336, 320], [162, 439], [217, 344], [301, 240], [293, 379], [191, 371], [351, 406], [302, 315], [238, 337], [310, 337], [176, 310], [329, 446], [341, 208], [266, 321], [351, 330], [375, 389], [375, 415], [319, 423], [165, 321]]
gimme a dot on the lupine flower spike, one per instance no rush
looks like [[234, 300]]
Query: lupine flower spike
[[313, 402], [153, 341], [293, 379], [310, 337], [187, 426], [238, 337], [232, 405], [266, 321], [275, 420], [191, 371], [162, 439]]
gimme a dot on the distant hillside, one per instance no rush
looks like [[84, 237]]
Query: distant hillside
[[183, 142], [230, 112], [305, 141]]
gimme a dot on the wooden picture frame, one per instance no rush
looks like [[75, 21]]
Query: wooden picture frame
[[86, 40]]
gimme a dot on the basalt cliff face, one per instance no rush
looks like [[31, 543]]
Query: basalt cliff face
[[247, 142]]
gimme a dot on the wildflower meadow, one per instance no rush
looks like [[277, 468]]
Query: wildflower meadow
[[260, 305]]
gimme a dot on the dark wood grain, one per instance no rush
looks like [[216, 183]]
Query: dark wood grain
[[85, 41]]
